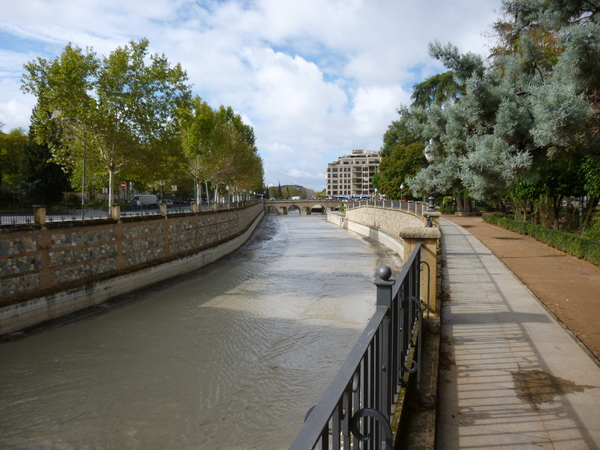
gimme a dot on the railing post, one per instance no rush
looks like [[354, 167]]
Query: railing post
[[115, 212], [429, 237], [384, 287], [163, 209], [194, 206], [434, 217], [385, 370], [39, 214]]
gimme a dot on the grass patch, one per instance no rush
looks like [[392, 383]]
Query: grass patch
[[581, 247]]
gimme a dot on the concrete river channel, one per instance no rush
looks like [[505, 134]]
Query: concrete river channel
[[228, 357]]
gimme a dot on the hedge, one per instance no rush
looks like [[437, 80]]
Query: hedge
[[580, 247]]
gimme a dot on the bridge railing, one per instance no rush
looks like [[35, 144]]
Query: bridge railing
[[418, 208], [356, 410]]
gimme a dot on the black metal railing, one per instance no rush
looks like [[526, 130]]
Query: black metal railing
[[129, 210], [356, 410], [16, 216], [73, 213], [417, 208]]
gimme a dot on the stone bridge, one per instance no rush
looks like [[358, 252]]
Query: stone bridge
[[305, 207]]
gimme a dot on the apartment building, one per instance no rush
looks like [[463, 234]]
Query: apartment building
[[351, 175]]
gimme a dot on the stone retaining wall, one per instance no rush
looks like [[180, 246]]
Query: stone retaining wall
[[390, 221], [36, 260], [400, 229]]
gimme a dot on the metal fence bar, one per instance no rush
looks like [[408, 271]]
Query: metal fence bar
[[16, 216], [357, 407], [62, 214]]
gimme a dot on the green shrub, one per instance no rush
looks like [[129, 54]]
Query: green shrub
[[580, 247], [447, 209], [73, 199], [594, 231]]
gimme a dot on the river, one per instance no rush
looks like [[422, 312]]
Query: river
[[230, 356]]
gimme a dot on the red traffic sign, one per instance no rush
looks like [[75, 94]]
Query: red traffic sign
[[123, 184]]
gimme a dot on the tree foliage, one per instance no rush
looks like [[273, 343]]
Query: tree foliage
[[219, 149], [524, 125], [12, 148], [118, 112], [42, 182]]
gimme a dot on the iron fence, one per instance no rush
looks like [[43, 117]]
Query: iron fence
[[67, 214], [128, 210], [63, 213], [418, 208], [355, 411], [16, 216]]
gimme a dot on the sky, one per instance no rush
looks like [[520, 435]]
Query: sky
[[314, 78]]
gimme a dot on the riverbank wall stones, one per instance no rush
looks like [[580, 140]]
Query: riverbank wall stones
[[36, 261]]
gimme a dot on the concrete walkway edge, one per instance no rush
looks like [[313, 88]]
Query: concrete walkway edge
[[510, 375]]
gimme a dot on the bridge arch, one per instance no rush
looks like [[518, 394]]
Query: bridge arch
[[306, 207], [294, 209]]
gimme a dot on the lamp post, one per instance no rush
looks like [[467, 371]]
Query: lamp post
[[401, 193], [227, 189], [83, 187], [430, 159]]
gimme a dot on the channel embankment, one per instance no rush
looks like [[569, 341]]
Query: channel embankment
[[47, 271]]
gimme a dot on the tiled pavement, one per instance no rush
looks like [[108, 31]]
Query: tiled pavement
[[512, 377]]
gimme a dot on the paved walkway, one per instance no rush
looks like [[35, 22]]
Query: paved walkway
[[511, 376]]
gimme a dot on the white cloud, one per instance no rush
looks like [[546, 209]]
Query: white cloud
[[315, 78], [374, 108]]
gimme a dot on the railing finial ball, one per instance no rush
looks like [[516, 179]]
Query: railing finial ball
[[384, 273]]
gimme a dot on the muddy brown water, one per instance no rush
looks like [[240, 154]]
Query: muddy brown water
[[228, 357]]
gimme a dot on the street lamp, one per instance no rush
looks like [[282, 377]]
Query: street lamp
[[430, 159], [401, 194], [227, 189], [162, 190]]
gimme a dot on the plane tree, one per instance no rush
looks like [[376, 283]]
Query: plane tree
[[220, 150], [119, 113]]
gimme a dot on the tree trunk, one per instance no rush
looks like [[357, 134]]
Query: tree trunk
[[459, 204], [591, 208], [467, 204], [111, 179], [198, 192], [556, 201]]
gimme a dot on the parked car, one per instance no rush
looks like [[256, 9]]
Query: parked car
[[146, 199], [167, 201]]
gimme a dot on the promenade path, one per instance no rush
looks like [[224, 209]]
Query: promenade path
[[511, 375]]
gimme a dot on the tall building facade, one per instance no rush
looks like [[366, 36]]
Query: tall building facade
[[351, 176]]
